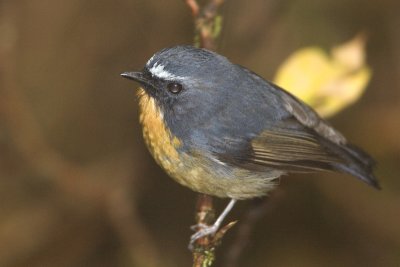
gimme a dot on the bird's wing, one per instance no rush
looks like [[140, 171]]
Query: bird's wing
[[288, 149], [307, 117], [300, 141]]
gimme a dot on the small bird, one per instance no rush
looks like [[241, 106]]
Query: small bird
[[222, 130]]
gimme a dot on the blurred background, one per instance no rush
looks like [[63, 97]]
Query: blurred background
[[78, 187]]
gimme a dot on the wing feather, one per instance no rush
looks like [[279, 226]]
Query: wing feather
[[290, 151], [292, 137]]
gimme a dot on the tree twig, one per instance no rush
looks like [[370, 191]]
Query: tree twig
[[208, 26], [207, 22], [194, 7]]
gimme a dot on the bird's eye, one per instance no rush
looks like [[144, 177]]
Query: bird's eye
[[174, 87]]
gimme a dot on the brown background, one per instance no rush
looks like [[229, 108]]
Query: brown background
[[77, 186]]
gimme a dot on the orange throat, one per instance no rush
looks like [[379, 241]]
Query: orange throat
[[159, 140]]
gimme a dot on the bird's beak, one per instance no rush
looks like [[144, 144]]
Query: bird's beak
[[136, 76]]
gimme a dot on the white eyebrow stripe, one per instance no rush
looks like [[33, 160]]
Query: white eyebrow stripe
[[150, 60], [159, 71]]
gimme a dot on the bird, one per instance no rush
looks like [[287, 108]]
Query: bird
[[220, 129]]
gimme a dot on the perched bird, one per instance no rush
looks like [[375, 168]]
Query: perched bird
[[222, 130]]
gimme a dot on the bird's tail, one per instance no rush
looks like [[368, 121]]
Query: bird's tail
[[355, 162]]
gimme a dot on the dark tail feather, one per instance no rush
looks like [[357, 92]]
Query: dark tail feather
[[360, 165], [356, 170], [355, 162]]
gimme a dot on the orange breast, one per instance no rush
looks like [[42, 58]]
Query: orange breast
[[162, 145]]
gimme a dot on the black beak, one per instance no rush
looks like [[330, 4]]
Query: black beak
[[136, 76], [141, 78]]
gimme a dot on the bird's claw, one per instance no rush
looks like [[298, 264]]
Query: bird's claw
[[203, 231]]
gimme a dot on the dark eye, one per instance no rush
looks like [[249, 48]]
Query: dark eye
[[174, 87]]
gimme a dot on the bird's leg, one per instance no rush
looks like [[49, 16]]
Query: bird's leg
[[211, 230]]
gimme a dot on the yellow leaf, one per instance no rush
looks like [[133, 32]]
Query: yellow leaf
[[327, 82]]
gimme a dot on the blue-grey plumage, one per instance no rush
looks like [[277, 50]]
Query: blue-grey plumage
[[238, 132]]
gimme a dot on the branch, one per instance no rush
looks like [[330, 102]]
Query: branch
[[194, 7], [207, 22], [208, 26]]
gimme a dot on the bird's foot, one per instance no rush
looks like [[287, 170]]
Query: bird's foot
[[202, 231]]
